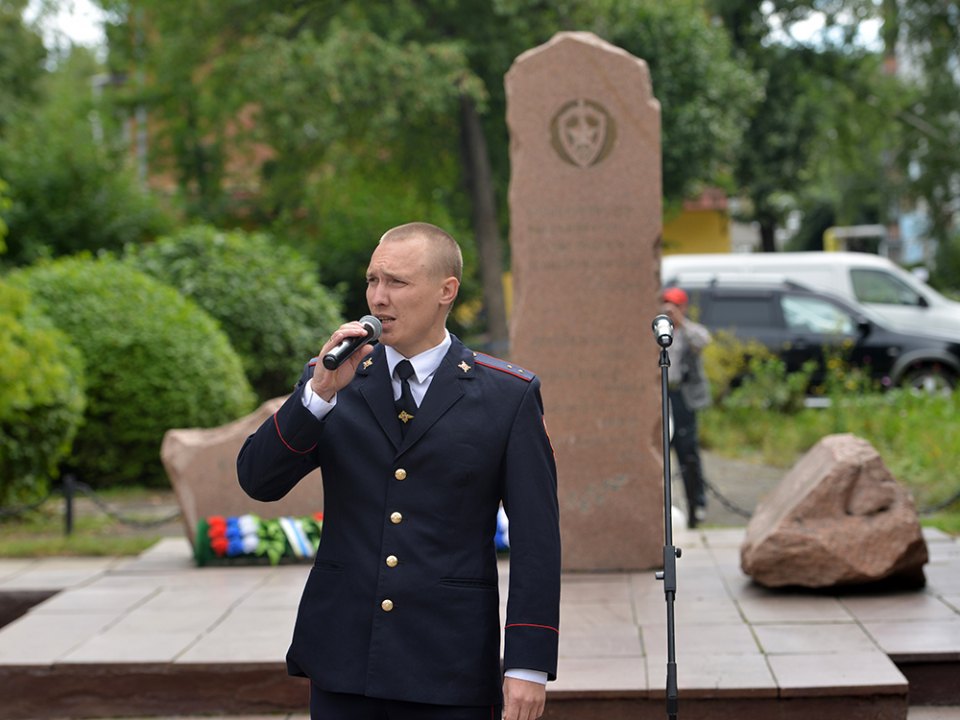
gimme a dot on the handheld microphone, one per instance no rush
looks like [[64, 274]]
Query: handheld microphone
[[347, 347], [663, 330]]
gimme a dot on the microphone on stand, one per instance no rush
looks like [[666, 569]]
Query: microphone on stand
[[347, 347], [663, 330]]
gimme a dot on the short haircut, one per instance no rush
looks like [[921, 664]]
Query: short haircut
[[445, 254]]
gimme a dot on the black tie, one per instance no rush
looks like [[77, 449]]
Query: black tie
[[406, 407]]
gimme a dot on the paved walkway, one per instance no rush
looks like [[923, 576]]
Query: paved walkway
[[735, 640]]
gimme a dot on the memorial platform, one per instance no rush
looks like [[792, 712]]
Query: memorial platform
[[156, 636]]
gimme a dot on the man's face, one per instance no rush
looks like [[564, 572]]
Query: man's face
[[672, 311], [405, 293]]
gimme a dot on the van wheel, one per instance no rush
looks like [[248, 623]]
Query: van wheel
[[932, 379]]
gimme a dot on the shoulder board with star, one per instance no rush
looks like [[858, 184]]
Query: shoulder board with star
[[503, 366]]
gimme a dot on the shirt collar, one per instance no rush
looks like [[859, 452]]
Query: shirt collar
[[426, 363]]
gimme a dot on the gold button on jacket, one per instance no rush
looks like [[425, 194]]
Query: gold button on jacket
[[400, 474], [392, 561], [387, 605], [396, 518]]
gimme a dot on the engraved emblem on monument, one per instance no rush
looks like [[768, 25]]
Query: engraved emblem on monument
[[583, 133]]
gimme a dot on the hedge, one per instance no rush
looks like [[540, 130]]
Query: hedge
[[266, 295], [41, 398], [154, 361]]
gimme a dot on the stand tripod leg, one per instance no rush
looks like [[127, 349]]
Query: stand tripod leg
[[670, 553]]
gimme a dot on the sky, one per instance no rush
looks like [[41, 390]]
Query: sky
[[78, 21]]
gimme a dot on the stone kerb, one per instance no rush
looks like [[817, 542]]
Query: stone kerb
[[202, 465], [585, 207]]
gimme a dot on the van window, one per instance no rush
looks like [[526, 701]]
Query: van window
[[743, 312], [879, 286], [813, 315]]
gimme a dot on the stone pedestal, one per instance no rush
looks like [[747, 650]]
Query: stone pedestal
[[585, 206], [202, 465]]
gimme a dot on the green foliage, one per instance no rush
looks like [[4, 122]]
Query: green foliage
[[70, 192], [705, 90], [946, 273], [727, 359], [41, 398], [4, 205], [266, 296], [352, 210], [840, 379], [917, 434], [21, 51], [154, 361], [827, 120], [768, 386], [929, 154], [347, 115]]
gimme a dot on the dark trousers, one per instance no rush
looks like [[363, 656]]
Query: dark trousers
[[686, 443], [326, 705]]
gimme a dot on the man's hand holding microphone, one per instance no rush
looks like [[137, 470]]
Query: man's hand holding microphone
[[342, 354]]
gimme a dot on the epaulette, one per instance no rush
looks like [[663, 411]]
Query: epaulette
[[498, 364]]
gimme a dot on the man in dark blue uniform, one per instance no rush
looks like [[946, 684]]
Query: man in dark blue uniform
[[419, 440]]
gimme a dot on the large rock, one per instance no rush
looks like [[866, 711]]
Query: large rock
[[838, 518], [202, 465]]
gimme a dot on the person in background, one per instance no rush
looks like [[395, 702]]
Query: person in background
[[689, 391]]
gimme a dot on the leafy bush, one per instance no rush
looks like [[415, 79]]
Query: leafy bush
[[266, 295], [768, 386], [41, 398], [726, 360], [154, 361]]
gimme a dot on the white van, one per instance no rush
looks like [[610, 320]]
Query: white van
[[897, 296]]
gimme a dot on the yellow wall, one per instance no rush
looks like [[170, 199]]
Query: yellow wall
[[697, 231]]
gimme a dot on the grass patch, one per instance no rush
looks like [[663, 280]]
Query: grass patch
[[41, 533], [76, 545], [917, 435]]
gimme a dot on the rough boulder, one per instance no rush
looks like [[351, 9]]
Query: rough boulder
[[838, 518], [202, 465]]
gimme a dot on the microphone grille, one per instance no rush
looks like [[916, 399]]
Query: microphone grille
[[373, 323]]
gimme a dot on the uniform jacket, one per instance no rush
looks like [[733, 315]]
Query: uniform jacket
[[403, 600]]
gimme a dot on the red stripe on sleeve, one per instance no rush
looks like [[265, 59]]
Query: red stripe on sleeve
[[298, 452], [545, 627]]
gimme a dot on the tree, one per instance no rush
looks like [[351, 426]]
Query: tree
[[706, 91], [402, 103], [827, 114], [21, 54], [68, 191], [925, 35]]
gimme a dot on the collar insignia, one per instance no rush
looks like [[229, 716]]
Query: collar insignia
[[463, 366], [367, 363]]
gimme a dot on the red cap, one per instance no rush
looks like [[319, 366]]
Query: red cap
[[676, 296]]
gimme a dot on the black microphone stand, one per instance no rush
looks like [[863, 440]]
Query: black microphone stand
[[670, 553]]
